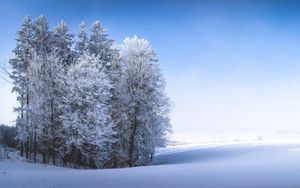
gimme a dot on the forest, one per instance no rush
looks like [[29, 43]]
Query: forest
[[85, 101]]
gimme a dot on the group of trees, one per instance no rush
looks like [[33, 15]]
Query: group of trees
[[84, 100]]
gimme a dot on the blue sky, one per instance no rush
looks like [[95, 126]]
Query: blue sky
[[230, 65]]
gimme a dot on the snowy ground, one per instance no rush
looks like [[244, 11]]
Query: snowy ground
[[226, 166]]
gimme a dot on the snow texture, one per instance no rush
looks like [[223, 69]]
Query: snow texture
[[227, 166]]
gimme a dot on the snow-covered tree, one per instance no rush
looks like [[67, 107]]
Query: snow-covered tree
[[62, 58], [62, 42], [83, 42], [104, 48], [145, 103], [100, 45], [37, 72], [45, 75], [86, 119], [19, 76], [41, 36]]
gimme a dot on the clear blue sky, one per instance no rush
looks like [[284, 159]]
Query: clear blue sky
[[230, 65]]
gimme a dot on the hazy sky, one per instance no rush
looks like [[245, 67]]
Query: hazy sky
[[231, 66]]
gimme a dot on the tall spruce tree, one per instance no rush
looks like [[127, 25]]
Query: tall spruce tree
[[19, 76], [82, 44]]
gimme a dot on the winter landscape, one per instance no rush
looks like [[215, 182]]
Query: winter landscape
[[227, 166], [161, 93]]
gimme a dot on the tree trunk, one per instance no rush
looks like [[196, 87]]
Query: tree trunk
[[30, 146], [27, 123], [53, 158], [44, 158], [52, 133], [22, 149], [75, 158], [22, 117], [131, 142], [27, 148], [34, 148]]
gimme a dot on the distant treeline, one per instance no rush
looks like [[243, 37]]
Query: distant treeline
[[7, 136]]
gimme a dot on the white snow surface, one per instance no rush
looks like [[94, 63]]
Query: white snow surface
[[219, 166]]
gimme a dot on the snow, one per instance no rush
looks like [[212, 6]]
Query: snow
[[217, 166]]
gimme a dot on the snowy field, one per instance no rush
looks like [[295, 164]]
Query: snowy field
[[222, 166]]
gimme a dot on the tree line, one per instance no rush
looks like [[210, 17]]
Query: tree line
[[85, 101], [7, 136]]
